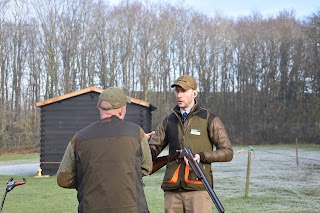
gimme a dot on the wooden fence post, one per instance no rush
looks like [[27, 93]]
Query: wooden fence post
[[248, 172], [297, 158]]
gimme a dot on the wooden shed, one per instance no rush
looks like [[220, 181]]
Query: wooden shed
[[61, 117]]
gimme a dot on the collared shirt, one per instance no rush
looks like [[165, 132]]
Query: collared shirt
[[182, 111], [184, 114]]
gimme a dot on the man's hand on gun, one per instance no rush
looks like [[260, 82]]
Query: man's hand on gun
[[196, 158]]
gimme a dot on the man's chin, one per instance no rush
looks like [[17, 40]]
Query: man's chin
[[181, 105]]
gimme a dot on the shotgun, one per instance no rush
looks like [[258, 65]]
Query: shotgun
[[186, 152], [160, 162]]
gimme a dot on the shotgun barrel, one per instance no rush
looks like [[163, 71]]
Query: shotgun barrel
[[186, 152]]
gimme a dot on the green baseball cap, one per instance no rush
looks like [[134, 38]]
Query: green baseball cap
[[186, 82], [115, 96]]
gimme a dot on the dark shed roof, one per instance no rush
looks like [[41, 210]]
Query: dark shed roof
[[61, 117]]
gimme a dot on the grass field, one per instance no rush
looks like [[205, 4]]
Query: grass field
[[277, 184]]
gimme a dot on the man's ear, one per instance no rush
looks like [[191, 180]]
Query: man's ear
[[122, 111], [195, 93]]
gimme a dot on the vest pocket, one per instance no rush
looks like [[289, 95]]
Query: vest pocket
[[175, 176], [190, 177], [172, 173]]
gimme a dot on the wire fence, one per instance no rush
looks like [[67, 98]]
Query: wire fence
[[270, 166], [292, 156]]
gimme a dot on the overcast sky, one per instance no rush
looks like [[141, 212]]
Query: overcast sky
[[234, 8]]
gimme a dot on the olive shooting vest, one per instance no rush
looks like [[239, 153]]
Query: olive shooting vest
[[193, 134]]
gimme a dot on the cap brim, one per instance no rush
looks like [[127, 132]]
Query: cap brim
[[184, 86]]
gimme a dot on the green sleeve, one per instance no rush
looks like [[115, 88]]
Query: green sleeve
[[66, 175], [146, 159]]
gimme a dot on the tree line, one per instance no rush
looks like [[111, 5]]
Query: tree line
[[260, 75]]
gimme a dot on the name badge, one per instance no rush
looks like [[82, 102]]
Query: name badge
[[195, 132]]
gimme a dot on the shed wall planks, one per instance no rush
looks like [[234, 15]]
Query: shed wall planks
[[60, 120]]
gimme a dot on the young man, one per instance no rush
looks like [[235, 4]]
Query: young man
[[189, 125], [105, 161]]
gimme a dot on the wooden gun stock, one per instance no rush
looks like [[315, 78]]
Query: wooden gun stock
[[160, 162]]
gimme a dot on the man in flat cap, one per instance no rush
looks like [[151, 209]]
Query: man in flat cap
[[105, 161], [189, 125]]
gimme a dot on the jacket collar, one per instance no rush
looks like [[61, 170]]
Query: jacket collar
[[194, 109]]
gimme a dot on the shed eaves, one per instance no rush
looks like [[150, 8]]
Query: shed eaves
[[86, 90]]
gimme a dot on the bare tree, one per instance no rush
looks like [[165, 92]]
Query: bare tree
[[260, 75]]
